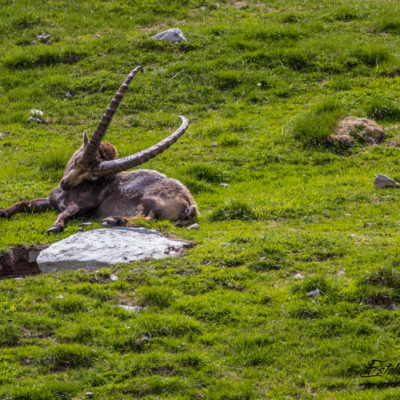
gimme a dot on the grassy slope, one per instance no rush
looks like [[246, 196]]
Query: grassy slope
[[230, 320]]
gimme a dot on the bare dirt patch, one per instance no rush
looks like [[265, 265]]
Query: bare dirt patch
[[353, 130], [20, 261]]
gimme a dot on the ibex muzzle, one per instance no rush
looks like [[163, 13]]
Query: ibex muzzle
[[95, 184]]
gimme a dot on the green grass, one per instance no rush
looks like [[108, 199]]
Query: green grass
[[316, 126], [383, 109], [283, 213]]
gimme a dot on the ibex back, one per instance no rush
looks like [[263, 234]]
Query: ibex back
[[94, 183]]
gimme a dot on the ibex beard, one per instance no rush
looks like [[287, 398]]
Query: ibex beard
[[94, 183]]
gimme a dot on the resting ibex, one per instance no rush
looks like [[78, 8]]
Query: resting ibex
[[94, 184]]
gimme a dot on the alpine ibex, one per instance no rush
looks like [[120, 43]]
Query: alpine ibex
[[94, 184]]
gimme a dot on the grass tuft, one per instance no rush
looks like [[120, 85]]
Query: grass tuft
[[10, 334], [234, 209], [372, 55], [71, 303], [154, 296], [383, 109], [388, 24], [60, 356], [208, 174], [43, 56], [316, 126]]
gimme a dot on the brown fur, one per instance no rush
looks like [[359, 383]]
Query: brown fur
[[106, 152], [133, 194], [93, 184]]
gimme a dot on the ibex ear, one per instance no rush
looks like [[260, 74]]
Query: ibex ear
[[85, 138]]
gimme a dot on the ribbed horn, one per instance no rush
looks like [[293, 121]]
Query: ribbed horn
[[91, 149], [122, 164]]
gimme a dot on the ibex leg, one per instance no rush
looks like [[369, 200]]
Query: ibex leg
[[71, 210], [29, 206]]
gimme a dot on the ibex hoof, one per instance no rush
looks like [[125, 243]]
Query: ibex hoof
[[114, 221], [55, 229]]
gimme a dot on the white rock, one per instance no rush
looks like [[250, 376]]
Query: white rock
[[34, 119], [136, 309], [382, 181], [43, 37], [113, 277], [314, 293], [2, 134], [172, 35], [193, 226], [36, 113], [105, 247]]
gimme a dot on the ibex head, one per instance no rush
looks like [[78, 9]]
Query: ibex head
[[94, 158]]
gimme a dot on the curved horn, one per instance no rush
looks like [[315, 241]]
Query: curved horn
[[122, 164], [91, 149]]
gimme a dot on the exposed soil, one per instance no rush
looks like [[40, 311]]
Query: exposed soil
[[20, 261], [361, 130]]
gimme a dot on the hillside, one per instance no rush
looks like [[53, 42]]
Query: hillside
[[284, 211]]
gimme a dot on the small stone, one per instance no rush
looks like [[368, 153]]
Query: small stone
[[392, 307], [2, 134], [172, 35], [85, 224], [215, 144], [33, 254], [43, 37], [224, 244], [60, 296], [314, 293], [113, 277], [33, 119], [193, 226], [298, 275], [68, 95], [136, 309], [224, 184], [36, 112], [382, 181], [145, 338]]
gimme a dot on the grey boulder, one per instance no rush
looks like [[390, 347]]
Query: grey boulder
[[382, 181], [105, 247], [172, 35]]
